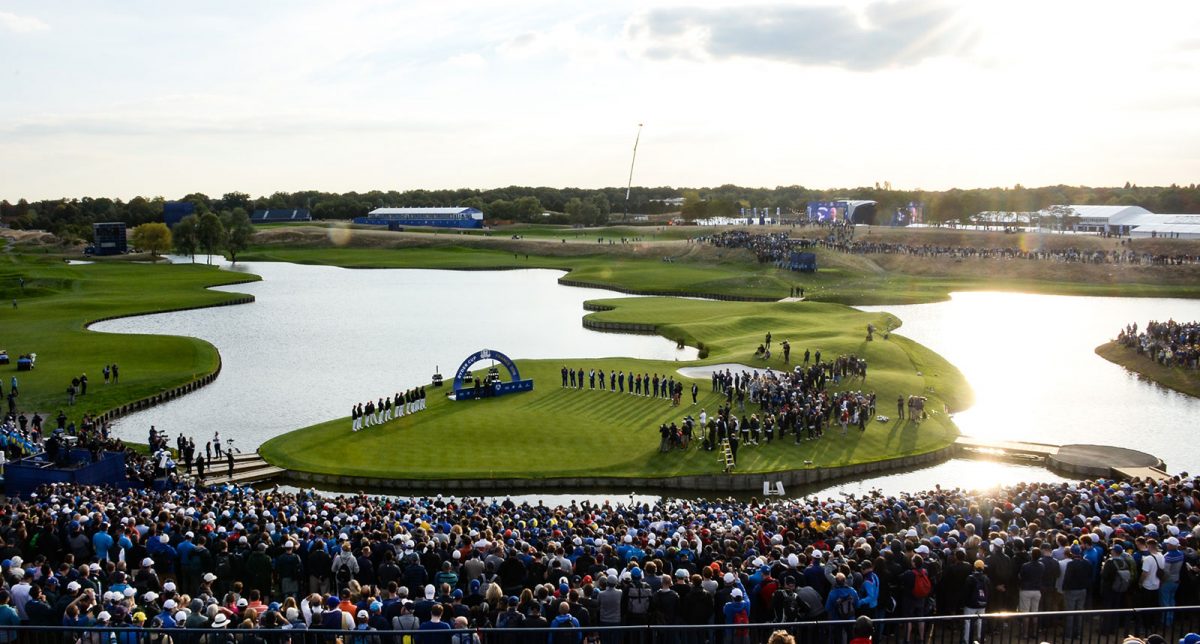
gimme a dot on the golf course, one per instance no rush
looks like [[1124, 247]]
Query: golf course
[[57, 303], [555, 432], [550, 432]]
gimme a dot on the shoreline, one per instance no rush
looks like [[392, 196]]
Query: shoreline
[[1146, 369]]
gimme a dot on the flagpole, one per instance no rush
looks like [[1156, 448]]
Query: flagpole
[[629, 185]]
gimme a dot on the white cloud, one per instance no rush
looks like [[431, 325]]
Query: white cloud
[[473, 62], [21, 24]]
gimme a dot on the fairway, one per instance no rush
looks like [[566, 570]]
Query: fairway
[[554, 432], [59, 300]]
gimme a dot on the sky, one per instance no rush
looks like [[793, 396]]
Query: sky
[[158, 97]]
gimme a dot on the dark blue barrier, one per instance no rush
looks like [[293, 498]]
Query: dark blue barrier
[[27, 474], [996, 628]]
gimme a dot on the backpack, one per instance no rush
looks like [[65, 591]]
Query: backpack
[[344, 574], [406, 623], [979, 593], [508, 619], [921, 584], [224, 567], [1123, 577], [846, 605], [741, 618], [787, 604], [1160, 567], [639, 599]]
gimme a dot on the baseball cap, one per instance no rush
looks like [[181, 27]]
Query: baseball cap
[[736, 594]]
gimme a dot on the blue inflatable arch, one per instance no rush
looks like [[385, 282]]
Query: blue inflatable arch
[[485, 354], [490, 390]]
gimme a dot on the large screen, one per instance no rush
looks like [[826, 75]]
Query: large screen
[[827, 211], [913, 213]]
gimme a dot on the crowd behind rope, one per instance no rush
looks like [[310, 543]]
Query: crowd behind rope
[[243, 559], [1170, 343], [777, 247]]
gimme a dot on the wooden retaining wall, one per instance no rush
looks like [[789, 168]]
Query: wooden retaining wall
[[186, 388], [695, 483]]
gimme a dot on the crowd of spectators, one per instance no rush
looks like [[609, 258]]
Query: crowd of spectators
[[1066, 255], [796, 402], [236, 558], [1170, 343], [777, 247]]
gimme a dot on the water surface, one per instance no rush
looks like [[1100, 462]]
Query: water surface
[[319, 339], [1031, 361]]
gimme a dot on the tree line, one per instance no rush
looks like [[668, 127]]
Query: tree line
[[72, 218], [210, 233]]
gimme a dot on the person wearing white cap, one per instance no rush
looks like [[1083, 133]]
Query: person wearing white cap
[[145, 577], [1173, 561], [737, 611]]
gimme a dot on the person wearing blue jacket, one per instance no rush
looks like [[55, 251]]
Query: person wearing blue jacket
[[841, 605], [737, 611], [869, 601], [564, 620]]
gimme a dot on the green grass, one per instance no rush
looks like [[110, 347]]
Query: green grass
[[552, 432], [1181, 380], [844, 279], [60, 300]]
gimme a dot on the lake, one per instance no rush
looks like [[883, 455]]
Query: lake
[[1031, 362], [319, 339]]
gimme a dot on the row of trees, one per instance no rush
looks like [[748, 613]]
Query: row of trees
[[72, 218], [210, 233]]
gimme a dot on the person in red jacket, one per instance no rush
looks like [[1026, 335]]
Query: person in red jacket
[[862, 630]]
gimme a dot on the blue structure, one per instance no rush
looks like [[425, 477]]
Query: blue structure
[[277, 215], [396, 218], [108, 238], [175, 211], [491, 386], [26, 475]]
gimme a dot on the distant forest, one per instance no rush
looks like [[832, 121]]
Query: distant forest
[[73, 217]]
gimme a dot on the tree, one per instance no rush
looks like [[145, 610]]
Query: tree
[[231, 200], [527, 209], [154, 237], [184, 236], [238, 231], [209, 234]]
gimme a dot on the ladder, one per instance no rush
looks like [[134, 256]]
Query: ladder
[[727, 455]]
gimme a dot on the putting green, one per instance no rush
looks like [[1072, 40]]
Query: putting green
[[553, 432]]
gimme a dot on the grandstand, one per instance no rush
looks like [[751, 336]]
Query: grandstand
[[452, 217], [280, 215]]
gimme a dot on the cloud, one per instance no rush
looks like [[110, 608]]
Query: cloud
[[21, 24], [469, 61], [880, 35]]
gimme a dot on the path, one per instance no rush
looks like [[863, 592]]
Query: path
[[1104, 461]]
